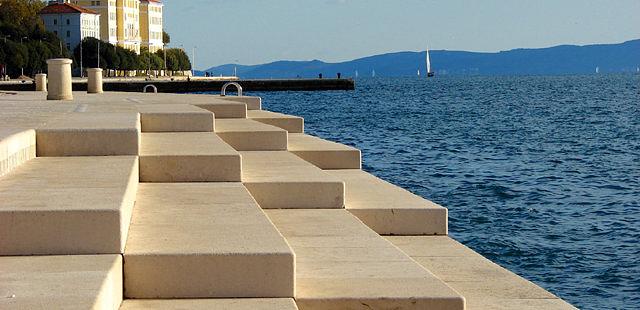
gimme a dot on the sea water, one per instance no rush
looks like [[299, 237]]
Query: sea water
[[540, 174]]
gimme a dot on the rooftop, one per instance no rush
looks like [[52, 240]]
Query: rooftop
[[66, 8]]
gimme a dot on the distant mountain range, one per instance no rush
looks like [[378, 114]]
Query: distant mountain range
[[557, 60]]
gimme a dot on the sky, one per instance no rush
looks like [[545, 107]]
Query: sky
[[261, 31]]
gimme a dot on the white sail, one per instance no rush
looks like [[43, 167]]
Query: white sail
[[373, 73], [428, 62], [418, 72], [356, 73], [597, 69]]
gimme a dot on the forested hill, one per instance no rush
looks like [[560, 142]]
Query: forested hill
[[563, 59]]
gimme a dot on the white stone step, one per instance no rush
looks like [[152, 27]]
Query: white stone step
[[224, 108], [61, 282], [175, 118], [17, 146], [253, 103], [323, 153], [484, 284], [204, 240], [389, 209], [67, 205], [250, 135], [342, 264], [211, 304], [188, 157], [290, 123], [90, 134], [280, 180]]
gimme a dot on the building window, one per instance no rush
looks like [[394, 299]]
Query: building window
[[55, 32], [55, 21], [68, 33], [68, 21], [68, 46]]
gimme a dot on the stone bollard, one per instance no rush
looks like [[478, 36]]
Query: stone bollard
[[94, 80], [41, 82], [60, 87]]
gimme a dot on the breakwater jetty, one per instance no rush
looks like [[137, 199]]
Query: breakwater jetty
[[198, 84]]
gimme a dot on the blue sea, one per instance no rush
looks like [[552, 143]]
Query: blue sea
[[540, 174]]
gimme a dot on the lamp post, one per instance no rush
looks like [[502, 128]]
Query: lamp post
[[81, 73], [193, 65], [22, 68]]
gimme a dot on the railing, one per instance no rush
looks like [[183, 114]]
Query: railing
[[224, 88], [155, 89]]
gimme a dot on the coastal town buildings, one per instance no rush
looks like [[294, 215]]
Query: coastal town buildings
[[128, 17], [108, 20], [151, 24], [130, 24], [70, 22]]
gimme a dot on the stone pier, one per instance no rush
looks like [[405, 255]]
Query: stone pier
[[166, 201]]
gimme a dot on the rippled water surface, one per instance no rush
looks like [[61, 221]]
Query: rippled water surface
[[540, 174]]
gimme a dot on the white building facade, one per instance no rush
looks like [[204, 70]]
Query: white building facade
[[108, 17], [71, 23]]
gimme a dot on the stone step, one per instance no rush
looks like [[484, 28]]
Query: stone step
[[61, 282], [389, 209], [224, 108], [90, 134], [17, 146], [188, 157], [281, 180], [290, 123], [253, 103], [211, 304], [342, 264], [204, 240], [175, 118], [323, 153], [250, 135], [484, 284], [67, 205]]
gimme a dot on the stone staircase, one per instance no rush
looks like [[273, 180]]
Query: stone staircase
[[139, 201]]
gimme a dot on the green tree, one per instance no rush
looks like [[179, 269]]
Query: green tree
[[28, 45], [166, 38]]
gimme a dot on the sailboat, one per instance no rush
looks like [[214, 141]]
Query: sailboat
[[373, 73], [418, 72], [429, 72], [356, 74], [597, 69]]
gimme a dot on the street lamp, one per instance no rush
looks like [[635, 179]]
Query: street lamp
[[193, 65], [22, 68]]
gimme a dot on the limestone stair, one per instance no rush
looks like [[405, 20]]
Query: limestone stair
[[342, 264], [89, 134], [204, 240], [175, 118], [290, 123], [67, 205], [250, 135], [188, 157], [281, 180], [389, 209], [61, 282], [484, 284], [208, 304], [323, 153]]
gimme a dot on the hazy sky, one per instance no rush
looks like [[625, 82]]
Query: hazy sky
[[258, 31]]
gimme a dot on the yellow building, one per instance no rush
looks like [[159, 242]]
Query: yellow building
[[128, 18], [151, 24], [108, 17]]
